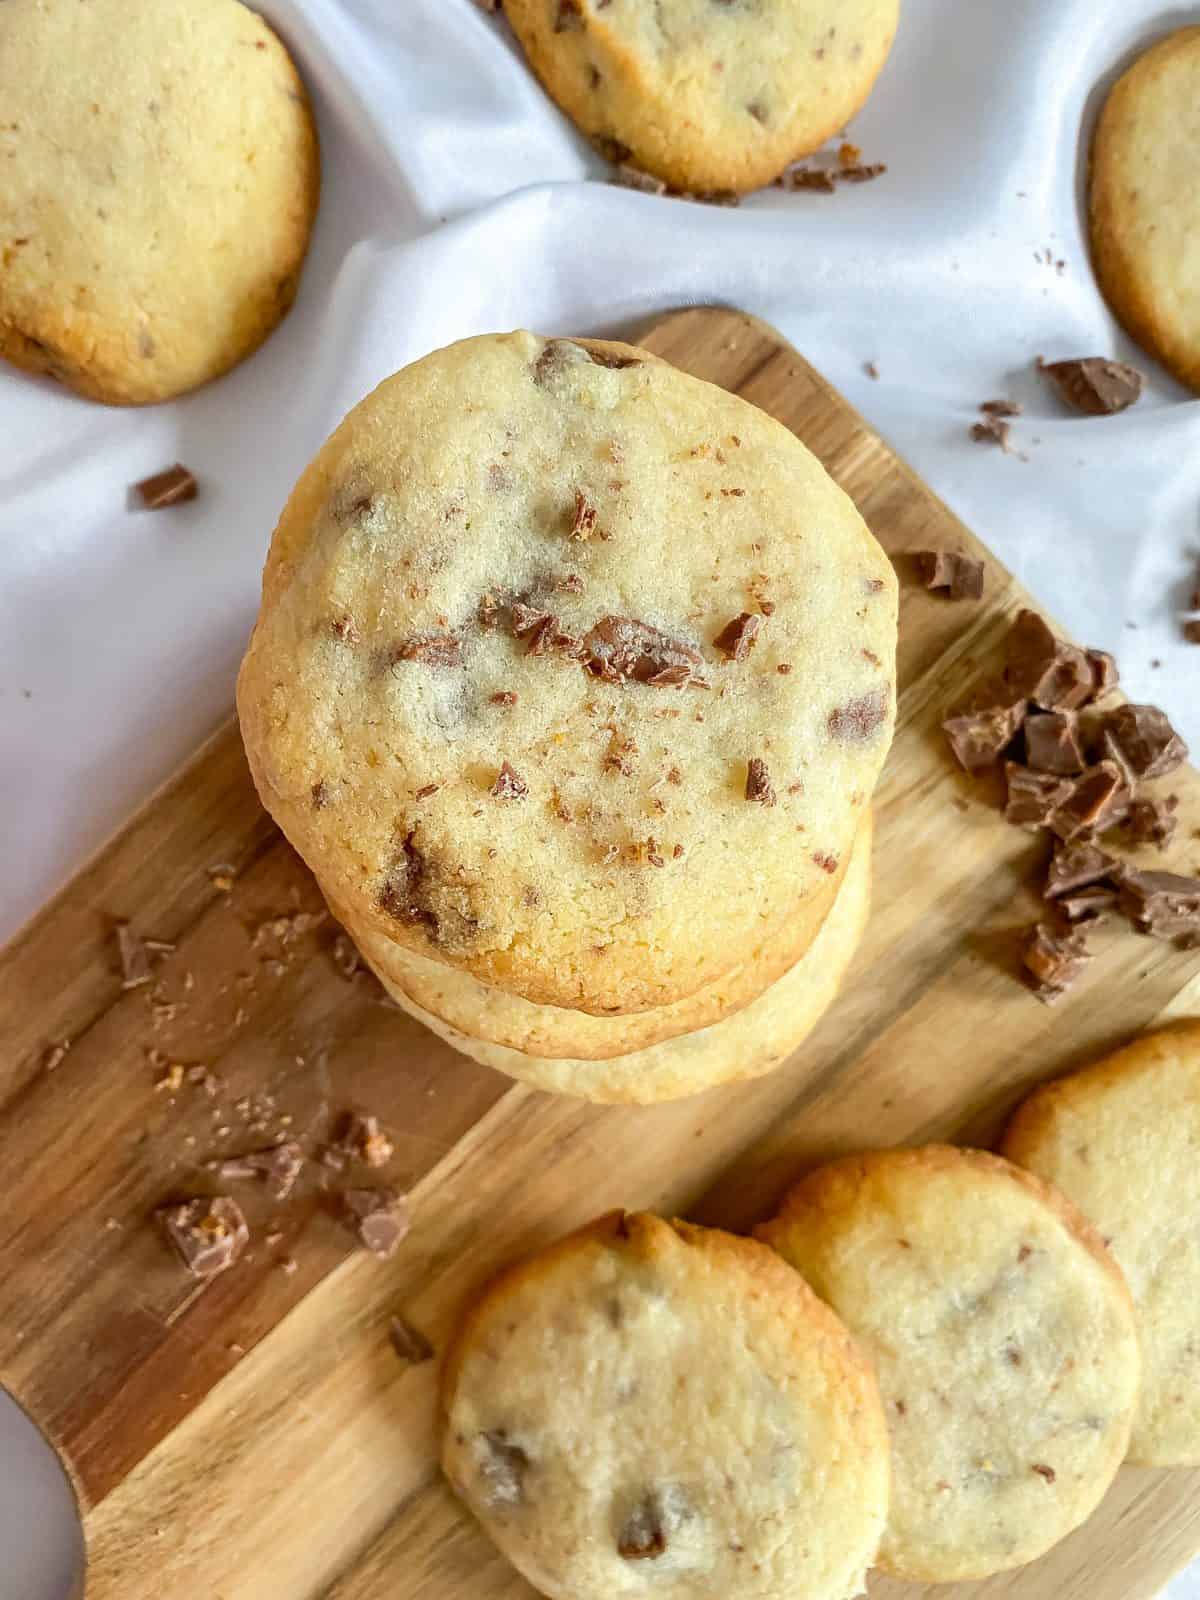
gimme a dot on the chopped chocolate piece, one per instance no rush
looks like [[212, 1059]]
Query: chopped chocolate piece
[[758, 782], [1191, 630], [506, 697], [209, 1234], [379, 1217], [1164, 905], [627, 177], [1001, 408], [1085, 904], [509, 784], [167, 488], [858, 719], [364, 1139], [1149, 745], [992, 430], [1052, 742], [1078, 867], [1094, 385], [409, 1343], [642, 1536], [849, 155], [1054, 674], [621, 647], [279, 1165], [1033, 797], [503, 1467], [871, 370], [1055, 960], [583, 525], [709, 197], [960, 576], [1153, 821], [737, 638], [979, 738], [1105, 676], [434, 650], [1098, 801], [135, 962]]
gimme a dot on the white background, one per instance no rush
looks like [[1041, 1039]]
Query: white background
[[456, 200]]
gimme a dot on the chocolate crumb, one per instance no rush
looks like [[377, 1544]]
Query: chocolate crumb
[[583, 525], [432, 650], [509, 784], [643, 1536], [1094, 385], [992, 430], [758, 782], [169, 488], [426, 790], [825, 861], [871, 370], [1001, 408], [961, 577], [379, 1217], [569, 583], [1164, 905], [527, 619], [978, 739], [344, 628], [819, 179], [737, 638], [506, 697], [409, 1343], [1054, 960], [208, 1234], [135, 962], [279, 1166]]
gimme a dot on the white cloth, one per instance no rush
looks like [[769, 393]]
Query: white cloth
[[457, 200]]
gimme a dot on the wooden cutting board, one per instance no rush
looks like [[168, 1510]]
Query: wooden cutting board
[[257, 1438]]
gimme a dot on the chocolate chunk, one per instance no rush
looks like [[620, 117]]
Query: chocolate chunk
[[1098, 801], [364, 1140], [509, 785], [1094, 385], [858, 719], [979, 738], [1001, 408], [379, 1217], [643, 1536], [618, 648], [1105, 676], [1165, 905], [433, 650], [403, 893], [1149, 745], [825, 861], [1078, 867], [135, 961], [583, 525], [1052, 742], [409, 1343], [1086, 904], [1033, 797], [506, 697], [1054, 960], [737, 638], [279, 1165], [209, 1234], [503, 1467], [1052, 673], [862, 171], [1153, 821], [1191, 630], [167, 488], [992, 430], [960, 576], [1044, 1472], [758, 782]]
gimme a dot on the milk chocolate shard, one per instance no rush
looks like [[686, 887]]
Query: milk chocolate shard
[[209, 1234]]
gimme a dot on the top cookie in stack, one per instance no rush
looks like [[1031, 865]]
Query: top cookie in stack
[[572, 672]]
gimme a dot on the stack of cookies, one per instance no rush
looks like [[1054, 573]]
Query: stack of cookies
[[572, 681]]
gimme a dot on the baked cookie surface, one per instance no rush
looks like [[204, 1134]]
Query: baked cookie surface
[[1145, 202], [158, 181], [1122, 1140], [1004, 1339], [566, 658], [708, 94], [649, 1408]]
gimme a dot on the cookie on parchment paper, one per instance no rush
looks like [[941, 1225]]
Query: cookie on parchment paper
[[1004, 1339], [1122, 1140], [572, 671], [650, 1408], [158, 182], [1145, 202], [708, 94]]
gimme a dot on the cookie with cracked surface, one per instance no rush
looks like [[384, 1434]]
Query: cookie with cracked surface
[[1004, 1338], [1120, 1140], [1145, 202], [650, 1408], [750, 1042], [500, 696], [708, 94], [158, 182]]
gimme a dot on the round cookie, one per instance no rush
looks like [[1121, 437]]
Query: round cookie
[[652, 1409], [1145, 202], [708, 96], [565, 660], [748, 1044], [1004, 1338], [574, 1041], [1122, 1141], [158, 181]]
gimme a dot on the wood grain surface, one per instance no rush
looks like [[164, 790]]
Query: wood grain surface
[[257, 1438]]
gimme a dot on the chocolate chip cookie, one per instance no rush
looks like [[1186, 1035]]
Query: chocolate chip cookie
[[707, 94], [572, 671], [1004, 1338], [158, 182], [649, 1408]]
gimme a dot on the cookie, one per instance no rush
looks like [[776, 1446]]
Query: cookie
[[649, 1408], [707, 94], [490, 1016], [565, 661], [1004, 1338], [1145, 202], [158, 182], [1120, 1139]]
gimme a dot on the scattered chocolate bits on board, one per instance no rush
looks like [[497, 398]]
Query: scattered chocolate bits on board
[[409, 1343], [209, 1234], [133, 955], [279, 1165], [1094, 385], [169, 488], [959, 577], [379, 1217], [992, 430]]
